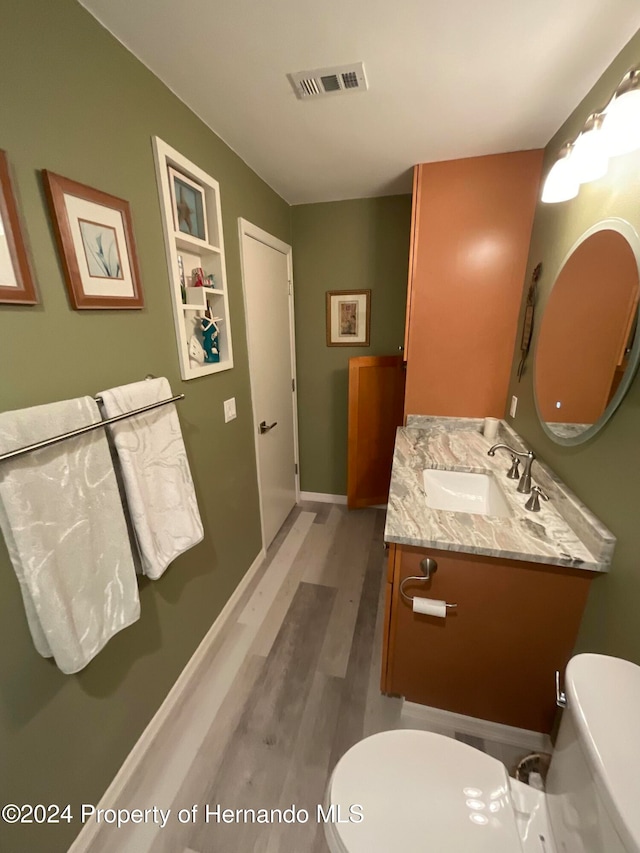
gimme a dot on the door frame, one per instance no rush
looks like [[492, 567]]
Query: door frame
[[248, 229]]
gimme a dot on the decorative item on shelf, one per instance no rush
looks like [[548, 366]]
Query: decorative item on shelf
[[198, 277], [211, 338], [527, 326], [183, 284], [16, 282], [196, 351], [211, 280], [95, 237], [348, 318], [189, 205]]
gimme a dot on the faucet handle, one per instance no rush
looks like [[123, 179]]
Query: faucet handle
[[533, 504], [514, 471]]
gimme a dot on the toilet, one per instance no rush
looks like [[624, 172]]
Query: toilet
[[415, 791]]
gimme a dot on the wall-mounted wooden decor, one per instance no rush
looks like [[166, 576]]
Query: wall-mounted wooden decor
[[95, 238], [16, 281]]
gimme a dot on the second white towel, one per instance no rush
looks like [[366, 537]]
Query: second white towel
[[155, 470]]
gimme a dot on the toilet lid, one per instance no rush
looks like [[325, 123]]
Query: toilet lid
[[418, 792]]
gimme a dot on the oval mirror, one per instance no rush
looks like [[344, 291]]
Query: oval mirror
[[588, 348]]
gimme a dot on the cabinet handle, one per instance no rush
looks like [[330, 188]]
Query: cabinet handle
[[561, 696]]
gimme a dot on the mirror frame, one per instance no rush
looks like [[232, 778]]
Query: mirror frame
[[631, 236]]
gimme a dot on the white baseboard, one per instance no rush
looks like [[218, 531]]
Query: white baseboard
[[321, 497], [535, 741], [90, 829]]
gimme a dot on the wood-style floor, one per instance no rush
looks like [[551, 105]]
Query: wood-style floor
[[290, 684]]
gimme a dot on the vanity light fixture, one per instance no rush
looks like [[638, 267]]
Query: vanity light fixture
[[607, 133], [622, 117], [590, 156], [562, 182]]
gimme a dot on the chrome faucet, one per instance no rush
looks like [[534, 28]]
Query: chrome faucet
[[524, 486]]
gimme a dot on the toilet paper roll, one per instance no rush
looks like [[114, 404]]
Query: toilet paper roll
[[430, 606]]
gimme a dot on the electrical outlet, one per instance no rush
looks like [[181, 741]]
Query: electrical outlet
[[229, 410], [514, 406]]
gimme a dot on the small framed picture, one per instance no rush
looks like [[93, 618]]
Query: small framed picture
[[95, 238], [16, 282], [348, 318], [189, 205]]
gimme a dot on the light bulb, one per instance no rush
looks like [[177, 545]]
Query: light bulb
[[589, 157], [621, 126], [561, 183]]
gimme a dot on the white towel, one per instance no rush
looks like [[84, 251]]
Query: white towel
[[155, 470], [62, 519]]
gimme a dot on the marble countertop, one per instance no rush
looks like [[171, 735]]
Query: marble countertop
[[563, 533]]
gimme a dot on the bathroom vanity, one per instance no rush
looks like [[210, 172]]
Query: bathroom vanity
[[519, 580]]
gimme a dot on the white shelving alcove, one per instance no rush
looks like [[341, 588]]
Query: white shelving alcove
[[192, 224]]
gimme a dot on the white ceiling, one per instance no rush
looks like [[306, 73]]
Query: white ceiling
[[447, 78]]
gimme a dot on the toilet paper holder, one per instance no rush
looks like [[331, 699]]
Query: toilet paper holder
[[429, 568]]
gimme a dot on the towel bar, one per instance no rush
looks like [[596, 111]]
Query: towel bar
[[20, 451]]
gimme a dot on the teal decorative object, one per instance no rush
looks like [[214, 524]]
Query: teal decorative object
[[211, 339]]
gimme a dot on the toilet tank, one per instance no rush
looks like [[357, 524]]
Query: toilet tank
[[593, 786]]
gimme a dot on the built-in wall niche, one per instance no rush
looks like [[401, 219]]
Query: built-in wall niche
[[194, 242]]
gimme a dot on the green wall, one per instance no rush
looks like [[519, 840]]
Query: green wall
[[605, 471], [74, 101], [358, 244]]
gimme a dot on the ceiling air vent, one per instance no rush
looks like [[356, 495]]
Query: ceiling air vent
[[329, 81]]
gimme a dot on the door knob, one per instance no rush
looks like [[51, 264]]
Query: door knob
[[264, 427]]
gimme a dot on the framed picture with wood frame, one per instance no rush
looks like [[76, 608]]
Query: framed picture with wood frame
[[348, 318], [16, 281], [189, 205], [96, 243]]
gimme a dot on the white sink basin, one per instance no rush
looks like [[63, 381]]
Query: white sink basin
[[461, 491]]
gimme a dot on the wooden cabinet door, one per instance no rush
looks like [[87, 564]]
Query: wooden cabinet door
[[471, 229], [376, 401], [495, 655]]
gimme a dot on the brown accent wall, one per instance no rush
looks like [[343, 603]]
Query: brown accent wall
[[472, 230]]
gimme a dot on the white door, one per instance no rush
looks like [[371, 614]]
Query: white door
[[266, 275]]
